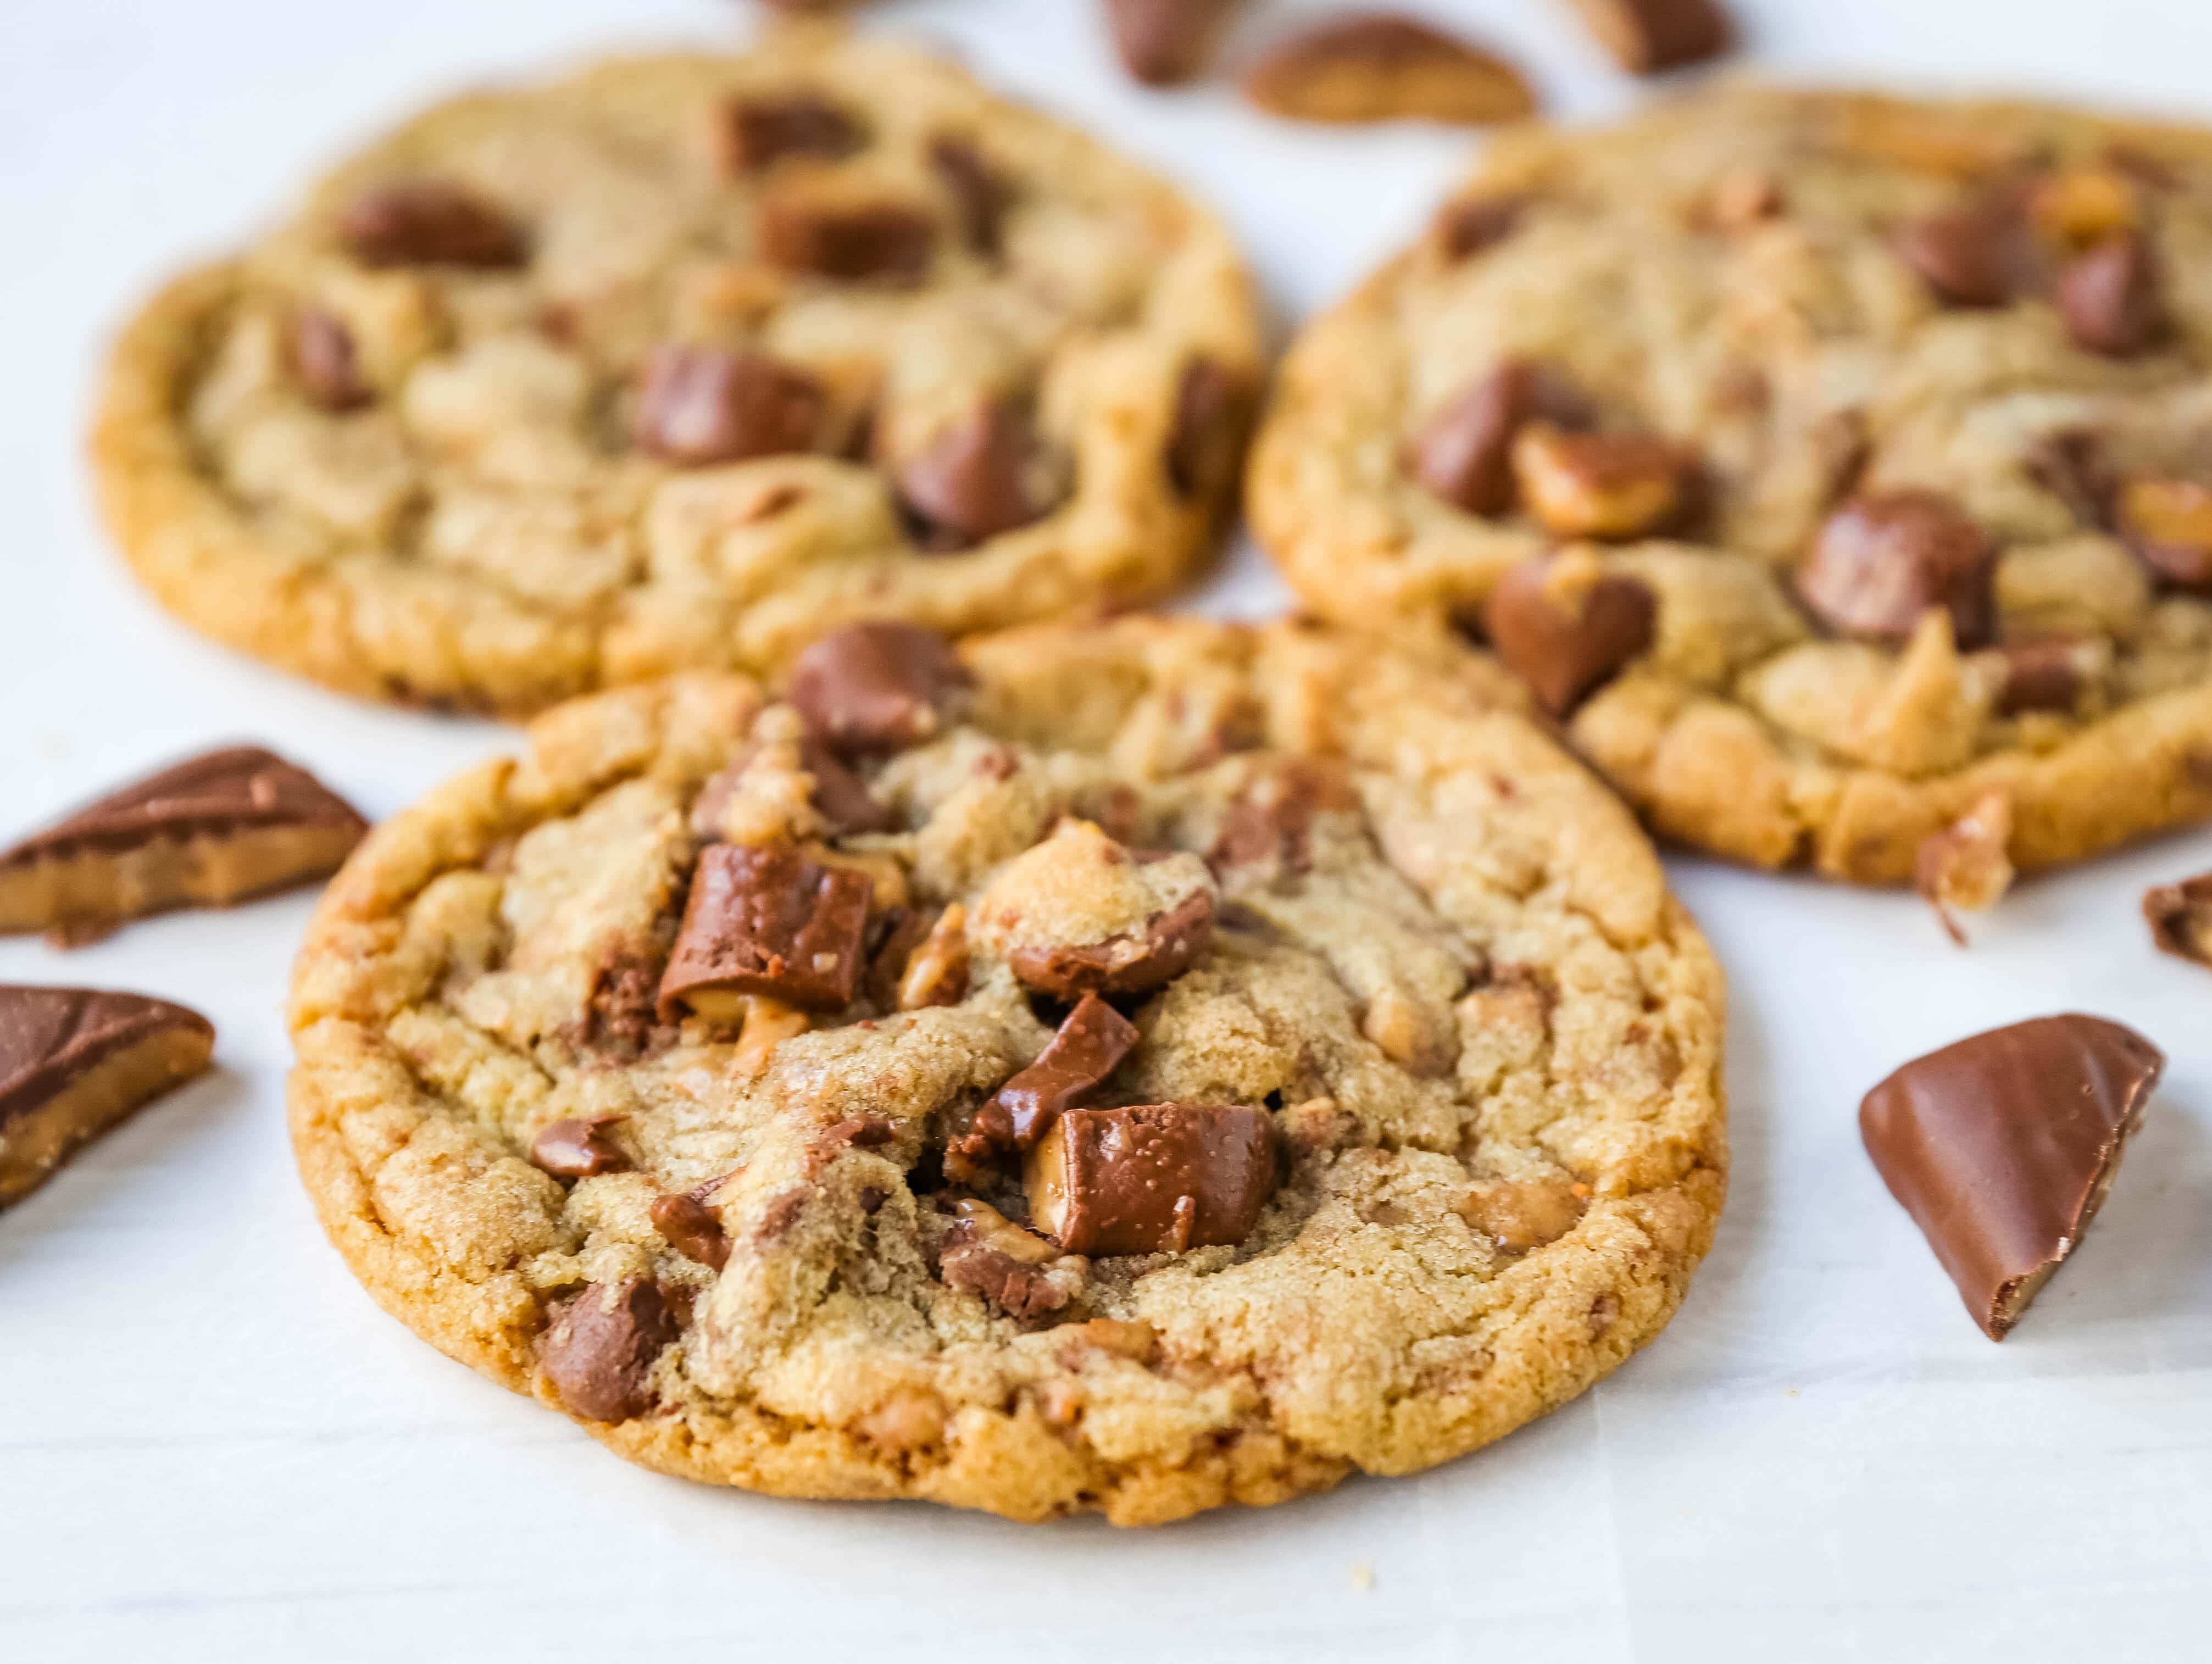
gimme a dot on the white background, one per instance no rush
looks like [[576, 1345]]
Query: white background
[[213, 1447]]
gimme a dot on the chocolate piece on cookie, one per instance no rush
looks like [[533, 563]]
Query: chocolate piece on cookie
[[702, 405], [428, 221], [1081, 913], [975, 478], [577, 1148], [1089, 1046], [1881, 561], [599, 1353], [2002, 1148], [1564, 628], [868, 690], [1379, 66], [215, 829], [766, 922], [1159, 1178], [2180, 917], [74, 1061]]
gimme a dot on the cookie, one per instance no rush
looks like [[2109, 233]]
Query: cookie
[[1135, 1067], [1834, 467], [675, 364]]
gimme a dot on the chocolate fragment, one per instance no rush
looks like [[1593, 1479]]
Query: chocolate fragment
[[323, 358], [868, 690], [1608, 486], [988, 1255], [428, 222], [2070, 464], [843, 796], [599, 1352], [1465, 228], [980, 194], [1152, 1178], [1564, 646], [972, 481], [1165, 42], [757, 132], [1132, 963], [1982, 252], [701, 405], [1647, 36], [1463, 451], [207, 832], [850, 243], [2002, 1147], [2041, 675], [577, 1148], [1268, 828], [2168, 525], [1092, 1042], [693, 1229], [766, 920], [2109, 296], [1212, 416], [2180, 918], [1880, 561], [74, 1061], [1382, 67]]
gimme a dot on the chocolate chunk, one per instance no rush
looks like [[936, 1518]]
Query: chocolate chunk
[[980, 193], [577, 1148], [1132, 963], [2109, 296], [917, 969], [1002, 1282], [2180, 918], [972, 481], [842, 796], [766, 922], [207, 832], [620, 1018], [702, 405], [2002, 1147], [758, 132], [74, 1061], [1880, 561], [1382, 67], [2041, 675], [893, 937], [1562, 647], [598, 1354], [872, 688], [693, 1229], [1212, 416], [1464, 228], [322, 359], [1163, 42], [850, 243], [1647, 36], [1463, 453], [2070, 465], [861, 1132], [1981, 253], [1152, 1178], [428, 221], [1609, 486], [2168, 525], [1268, 826], [1092, 1042]]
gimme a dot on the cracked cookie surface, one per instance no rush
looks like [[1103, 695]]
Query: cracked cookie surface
[[675, 364], [1838, 468], [1137, 1067]]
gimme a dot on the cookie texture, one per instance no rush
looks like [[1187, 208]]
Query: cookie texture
[[675, 364], [1835, 467], [1235, 1058]]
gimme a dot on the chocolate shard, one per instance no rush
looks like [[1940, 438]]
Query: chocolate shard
[[599, 1353], [1562, 645], [842, 796], [1880, 561], [972, 481], [207, 832], [74, 1061], [849, 242], [1463, 453], [324, 360], [2180, 918], [2109, 296], [2002, 1147], [869, 689], [1159, 1178], [981, 194], [1647, 36], [1165, 42], [1266, 831], [693, 1229], [766, 920], [1133, 964], [428, 222], [578, 1148], [699, 405], [1092, 1042], [1376, 66], [758, 132]]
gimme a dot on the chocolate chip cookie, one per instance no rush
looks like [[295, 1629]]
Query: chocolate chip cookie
[[1838, 469], [1135, 1067], [674, 364]]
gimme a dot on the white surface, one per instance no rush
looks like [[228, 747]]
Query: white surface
[[213, 1447]]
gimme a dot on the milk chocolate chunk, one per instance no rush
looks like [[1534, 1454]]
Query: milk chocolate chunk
[[599, 1352], [577, 1149], [693, 1229], [323, 359], [204, 833], [1213, 412], [1092, 1042], [701, 405], [1463, 453], [1465, 228], [1565, 644], [1647, 36], [428, 222], [1377, 66], [980, 195], [74, 1061], [851, 242], [766, 920], [2180, 918], [1880, 561], [869, 689], [1268, 828], [2042, 675], [2168, 524], [973, 480], [842, 796], [1133, 964], [1152, 1178], [2002, 1147], [1163, 42], [757, 131], [2109, 296], [1982, 252]]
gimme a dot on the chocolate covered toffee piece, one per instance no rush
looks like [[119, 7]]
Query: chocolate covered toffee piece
[[2180, 917], [1646, 36], [2002, 1148], [205, 833], [1218, 1060], [677, 363], [74, 1061], [1834, 467]]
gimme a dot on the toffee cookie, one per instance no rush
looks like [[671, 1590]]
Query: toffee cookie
[[1137, 1067], [676, 364], [1838, 469]]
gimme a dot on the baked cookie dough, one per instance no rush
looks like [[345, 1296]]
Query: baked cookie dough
[[1135, 1068], [675, 364], [1839, 468]]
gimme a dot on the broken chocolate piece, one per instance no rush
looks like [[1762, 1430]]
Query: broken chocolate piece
[[599, 1352], [323, 359], [1967, 863], [988, 1255], [766, 920], [980, 193], [2168, 524], [1464, 228], [972, 481], [757, 132], [701, 405], [1608, 486], [1647, 36], [1880, 561], [693, 1229], [1463, 453], [1564, 646], [1090, 1046], [2070, 464], [2180, 918], [1128, 964], [577, 1149], [204, 833], [74, 1061], [1268, 825], [843, 796], [1382, 67], [1982, 253], [2002, 1147], [1165, 42], [2109, 296], [2041, 675], [868, 690], [850, 243], [428, 221], [1213, 414], [1152, 1178]]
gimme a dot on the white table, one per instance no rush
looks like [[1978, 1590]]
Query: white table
[[213, 1447]]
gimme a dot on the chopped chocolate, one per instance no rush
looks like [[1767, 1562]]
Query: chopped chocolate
[[1152, 1178], [2109, 296], [693, 1229], [2168, 524], [204, 833], [74, 1061], [1880, 561], [428, 221], [2070, 464], [323, 359], [980, 192], [893, 936], [577, 1148], [935, 971], [699, 405], [850, 243], [843, 796], [620, 1017], [1647, 36], [1564, 646], [972, 481], [1268, 825], [2002, 1147], [1608, 486], [1002, 1282], [1981, 253], [1463, 453], [1075, 1063], [862, 1133], [1165, 42], [869, 689], [599, 1351], [1213, 411], [1465, 228], [759, 131], [2180, 918], [1377, 66], [2041, 675], [766, 920], [1128, 964]]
